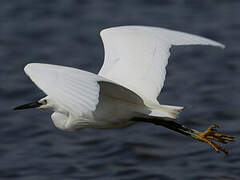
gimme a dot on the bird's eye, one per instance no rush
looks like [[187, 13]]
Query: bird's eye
[[45, 101]]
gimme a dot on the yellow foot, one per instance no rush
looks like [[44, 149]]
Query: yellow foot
[[212, 134]]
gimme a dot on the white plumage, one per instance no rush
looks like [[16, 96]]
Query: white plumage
[[126, 87], [136, 56]]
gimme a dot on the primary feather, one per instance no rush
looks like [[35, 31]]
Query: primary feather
[[75, 90], [136, 56]]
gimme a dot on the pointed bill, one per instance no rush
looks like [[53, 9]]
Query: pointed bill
[[28, 106]]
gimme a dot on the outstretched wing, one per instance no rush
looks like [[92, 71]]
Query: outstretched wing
[[74, 90], [136, 56]]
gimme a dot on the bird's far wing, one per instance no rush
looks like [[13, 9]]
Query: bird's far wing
[[75, 90], [136, 56]]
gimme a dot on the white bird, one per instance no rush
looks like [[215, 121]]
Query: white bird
[[126, 88]]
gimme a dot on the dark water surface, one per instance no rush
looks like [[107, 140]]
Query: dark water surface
[[205, 80]]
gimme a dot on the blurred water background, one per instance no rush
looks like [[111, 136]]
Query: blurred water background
[[66, 32]]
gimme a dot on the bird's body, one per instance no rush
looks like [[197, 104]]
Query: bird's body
[[110, 113], [125, 90]]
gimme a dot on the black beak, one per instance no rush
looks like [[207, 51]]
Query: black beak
[[28, 106]]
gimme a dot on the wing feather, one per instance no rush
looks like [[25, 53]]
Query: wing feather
[[74, 90], [136, 56]]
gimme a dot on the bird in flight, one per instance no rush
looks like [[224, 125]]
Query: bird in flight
[[125, 90]]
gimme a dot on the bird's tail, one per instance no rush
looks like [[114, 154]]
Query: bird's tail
[[165, 111]]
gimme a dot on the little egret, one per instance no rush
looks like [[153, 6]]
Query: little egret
[[126, 88]]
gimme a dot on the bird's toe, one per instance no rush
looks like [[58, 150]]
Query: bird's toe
[[212, 134]]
